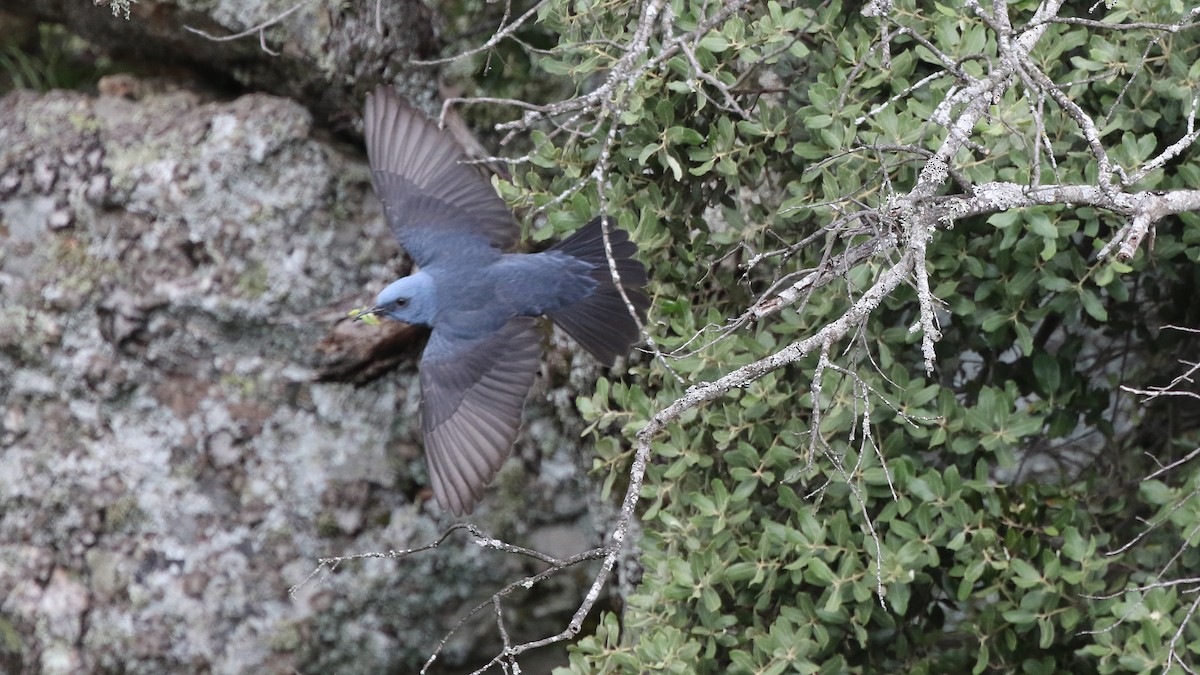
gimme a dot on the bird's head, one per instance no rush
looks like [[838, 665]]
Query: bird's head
[[410, 300]]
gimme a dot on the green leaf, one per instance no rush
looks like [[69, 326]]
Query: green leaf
[[898, 596], [817, 572], [714, 42], [1074, 546], [921, 490], [1024, 337], [1039, 223], [1046, 629], [676, 169], [818, 121], [1020, 617], [683, 135], [1055, 284], [1091, 305], [1027, 576], [1047, 373]]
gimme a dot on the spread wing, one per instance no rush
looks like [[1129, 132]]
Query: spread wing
[[433, 202], [472, 394]]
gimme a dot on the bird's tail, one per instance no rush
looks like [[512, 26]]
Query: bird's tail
[[601, 322]]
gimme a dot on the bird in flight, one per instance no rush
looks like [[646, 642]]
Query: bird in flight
[[481, 302]]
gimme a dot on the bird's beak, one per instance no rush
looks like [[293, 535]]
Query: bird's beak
[[367, 315]]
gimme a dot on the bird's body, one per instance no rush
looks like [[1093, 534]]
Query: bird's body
[[482, 302], [488, 290]]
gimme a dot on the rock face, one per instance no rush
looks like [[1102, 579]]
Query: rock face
[[169, 465], [325, 54]]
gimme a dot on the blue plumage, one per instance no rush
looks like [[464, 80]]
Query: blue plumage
[[481, 302]]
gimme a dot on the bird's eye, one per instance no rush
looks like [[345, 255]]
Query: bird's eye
[[401, 302]]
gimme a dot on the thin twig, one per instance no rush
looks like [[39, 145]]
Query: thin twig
[[260, 29]]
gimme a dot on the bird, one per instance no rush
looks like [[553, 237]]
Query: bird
[[482, 301]]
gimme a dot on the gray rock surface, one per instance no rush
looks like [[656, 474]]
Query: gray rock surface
[[323, 53], [169, 467]]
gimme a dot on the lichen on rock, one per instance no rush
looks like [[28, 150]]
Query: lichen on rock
[[171, 465]]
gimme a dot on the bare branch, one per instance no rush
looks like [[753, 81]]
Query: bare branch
[[501, 33], [1132, 25], [260, 29], [1173, 151]]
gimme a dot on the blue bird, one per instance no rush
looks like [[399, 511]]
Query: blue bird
[[482, 303]]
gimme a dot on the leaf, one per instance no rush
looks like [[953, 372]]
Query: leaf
[[1091, 305], [1020, 617], [818, 121], [1024, 337], [687, 136], [1039, 224], [993, 321], [714, 42], [898, 596], [1046, 371], [1027, 576], [921, 490], [676, 169], [1046, 627], [1074, 546], [1055, 284], [817, 572]]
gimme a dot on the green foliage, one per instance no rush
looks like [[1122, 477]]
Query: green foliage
[[896, 522], [46, 56]]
